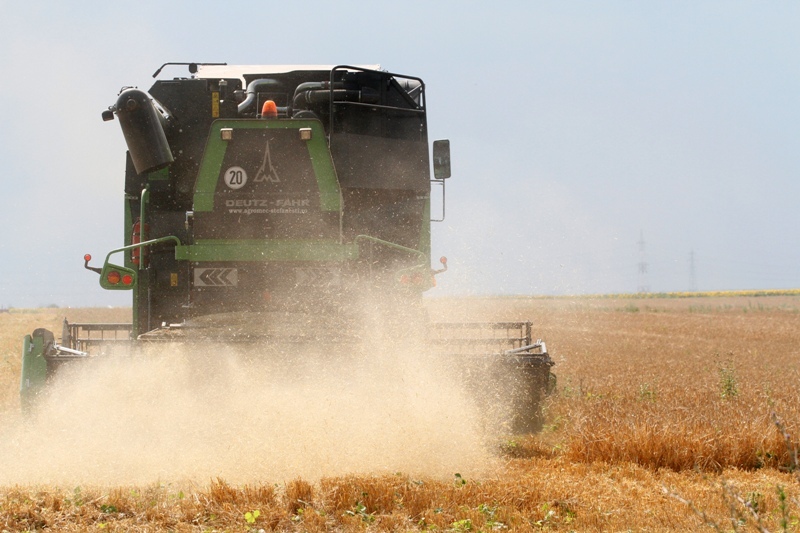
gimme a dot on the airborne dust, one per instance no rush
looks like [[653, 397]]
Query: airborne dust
[[192, 413]]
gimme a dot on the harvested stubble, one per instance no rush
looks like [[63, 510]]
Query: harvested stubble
[[528, 495], [654, 398]]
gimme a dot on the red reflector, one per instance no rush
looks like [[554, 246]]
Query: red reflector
[[127, 279], [113, 277], [87, 258]]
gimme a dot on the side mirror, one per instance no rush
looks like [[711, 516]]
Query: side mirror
[[441, 159]]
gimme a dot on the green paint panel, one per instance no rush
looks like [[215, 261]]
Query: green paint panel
[[266, 250], [34, 368], [159, 175], [425, 229]]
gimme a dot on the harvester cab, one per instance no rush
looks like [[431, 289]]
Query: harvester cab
[[274, 191]]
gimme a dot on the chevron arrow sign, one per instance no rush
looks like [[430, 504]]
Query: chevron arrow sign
[[216, 277]]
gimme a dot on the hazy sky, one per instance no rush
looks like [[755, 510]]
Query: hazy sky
[[577, 129]]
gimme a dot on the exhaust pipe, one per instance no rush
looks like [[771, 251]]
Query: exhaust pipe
[[252, 91]]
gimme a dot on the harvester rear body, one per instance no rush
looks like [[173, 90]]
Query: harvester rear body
[[275, 204]]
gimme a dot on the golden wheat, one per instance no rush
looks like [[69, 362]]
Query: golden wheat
[[657, 401]]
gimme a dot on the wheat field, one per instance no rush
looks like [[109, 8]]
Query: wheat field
[[670, 414]]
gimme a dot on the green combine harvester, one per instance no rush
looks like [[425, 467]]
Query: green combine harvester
[[279, 206]]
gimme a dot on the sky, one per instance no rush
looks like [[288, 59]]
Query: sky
[[588, 138]]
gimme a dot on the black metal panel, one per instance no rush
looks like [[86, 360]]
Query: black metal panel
[[381, 146], [134, 182], [168, 278], [369, 162], [190, 104], [390, 215]]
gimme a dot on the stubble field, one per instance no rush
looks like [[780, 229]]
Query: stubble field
[[669, 415]]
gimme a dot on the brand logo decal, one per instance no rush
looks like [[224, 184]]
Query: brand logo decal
[[267, 171]]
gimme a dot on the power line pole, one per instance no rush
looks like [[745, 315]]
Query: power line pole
[[643, 287]]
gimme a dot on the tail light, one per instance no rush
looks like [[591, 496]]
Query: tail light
[[113, 277]]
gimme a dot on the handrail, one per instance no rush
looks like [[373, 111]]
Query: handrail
[[142, 226], [173, 238], [390, 244]]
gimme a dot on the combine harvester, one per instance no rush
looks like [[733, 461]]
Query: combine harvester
[[279, 206]]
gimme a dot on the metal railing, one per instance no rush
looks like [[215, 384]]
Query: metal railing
[[485, 338], [82, 336]]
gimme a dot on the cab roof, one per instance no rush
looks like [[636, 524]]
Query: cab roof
[[240, 71]]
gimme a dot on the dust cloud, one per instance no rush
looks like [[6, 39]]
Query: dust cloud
[[192, 413]]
